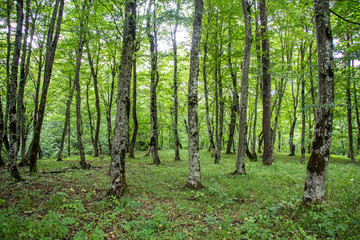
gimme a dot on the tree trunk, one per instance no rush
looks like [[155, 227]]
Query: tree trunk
[[357, 115], [13, 127], [176, 137], [235, 102], [109, 103], [349, 120], [295, 101], [51, 44], [154, 139], [206, 95], [268, 154], [2, 163], [317, 164], [194, 180], [118, 186], [302, 64], [67, 122], [89, 114], [8, 55], [134, 115], [79, 129], [242, 144], [94, 74], [24, 70], [68, 154]]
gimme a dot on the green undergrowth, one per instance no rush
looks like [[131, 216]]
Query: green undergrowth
[[263, 204]]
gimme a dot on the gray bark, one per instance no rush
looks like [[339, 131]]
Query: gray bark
[[134, 96], [314, 190], [302, 66], [206, 93], [79, 129], [268, 154], [154, 78], [67, 122], [242, 144], [194, 180], [13, 126], [52, 40], [176, 137], [349, 107], [118, 186]]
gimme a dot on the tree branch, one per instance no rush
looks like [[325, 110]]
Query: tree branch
[[346, 20]]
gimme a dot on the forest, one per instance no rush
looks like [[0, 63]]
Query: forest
[[178, 119]]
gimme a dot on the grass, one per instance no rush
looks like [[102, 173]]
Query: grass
[[263, 204]]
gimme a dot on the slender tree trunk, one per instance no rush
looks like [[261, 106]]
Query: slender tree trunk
[[176, 137], [319, 157], [194, 180], [13, 127], [109, 104], [154, 141], [357, 115], [279, 141], [8, 55], [217, 134], [295, 101], [349, 108], [302, 53], [2, 163], [134, 115], [20, 107], [94, 74], [67, 122], [118, 186], [79, 129], [235, 102], [51, 44], [68, 154], [242, 144], [268, 154], [206, 93], [89, 114]]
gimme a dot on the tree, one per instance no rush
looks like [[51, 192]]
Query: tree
[[13, 127], [79, 130], [266, 91], [154, 76], [51, 44], [118, 186], [314, 190], [193, 128], [242, 144], [176, 105]]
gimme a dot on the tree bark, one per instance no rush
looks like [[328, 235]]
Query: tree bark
[[51, 44], [89, 114], [235, 101], [242, 144], [349, 108], [194, 180], [206, 95], [357, 115], [314, 190], [176, 137], [118, 186], [134, 115], [302, 66], [13, 126], [2, 163], [67, 122], [154, 138], [295, 102], [79, 129], [268, 154], [94, 74]]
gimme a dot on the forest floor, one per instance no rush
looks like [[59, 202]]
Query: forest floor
[[263, 204]]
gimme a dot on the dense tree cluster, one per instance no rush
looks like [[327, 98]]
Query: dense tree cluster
[[156, 74]]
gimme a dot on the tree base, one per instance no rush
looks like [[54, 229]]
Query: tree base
[[197, 186]]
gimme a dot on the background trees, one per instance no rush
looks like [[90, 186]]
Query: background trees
[[48, 53]]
